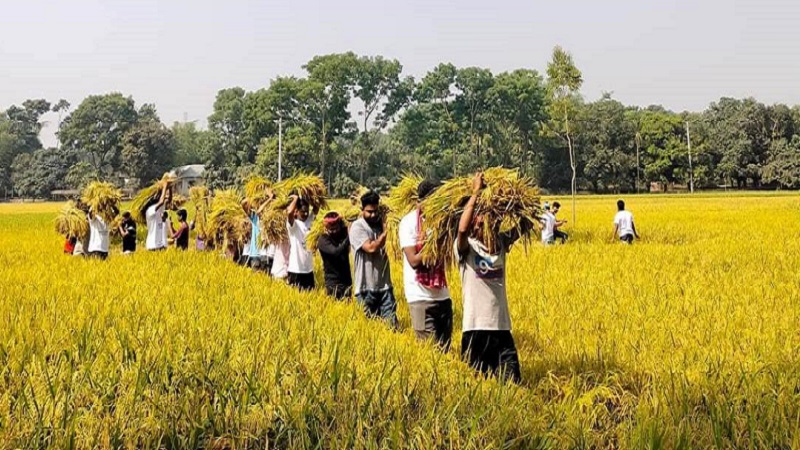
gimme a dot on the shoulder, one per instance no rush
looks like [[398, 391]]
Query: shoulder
[[409, 221]]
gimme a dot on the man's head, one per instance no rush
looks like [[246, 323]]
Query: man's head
[[182, 215], [556, 207], [370, 207], [333, 223], [427, 187], [164, 216], [620, 205], [301, 210], [126, 215]]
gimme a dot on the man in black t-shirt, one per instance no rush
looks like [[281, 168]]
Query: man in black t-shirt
[[128, 231], [334, 247]]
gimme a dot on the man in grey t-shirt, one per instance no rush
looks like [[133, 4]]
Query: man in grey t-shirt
[[486, 341], [373, 279]]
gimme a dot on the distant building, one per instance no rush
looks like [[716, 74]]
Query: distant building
[[188, 176]]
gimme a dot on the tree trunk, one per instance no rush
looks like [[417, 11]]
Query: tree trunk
[[574, 184]]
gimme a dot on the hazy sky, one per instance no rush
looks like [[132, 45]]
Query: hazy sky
[[177, 54]]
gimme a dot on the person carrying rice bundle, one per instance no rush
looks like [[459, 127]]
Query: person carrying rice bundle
[[373, 280], [425, 287], [98, 235], [334, 248], [301, 261], [154, 210], [481, 248], [71, 222]]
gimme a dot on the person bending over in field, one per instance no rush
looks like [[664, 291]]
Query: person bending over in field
[[373, 280], [98, 236], [557, 233], [180, 236], [486, 341], [301, 261], [334, 248], [425, 287], [128, 231], [623, 225], [155, 224]]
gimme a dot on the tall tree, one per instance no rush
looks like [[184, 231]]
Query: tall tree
[[564, 84], [148, 151], [94, 131]]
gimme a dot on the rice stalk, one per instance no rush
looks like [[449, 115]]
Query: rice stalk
[[103, 199], [71, 222]]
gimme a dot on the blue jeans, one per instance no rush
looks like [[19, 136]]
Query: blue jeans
[[379, 304]]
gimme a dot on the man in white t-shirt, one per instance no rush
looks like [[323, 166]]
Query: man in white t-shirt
[[425, 287], [623, 225], [98, 236], [154, 213], [548, 221], [301, 261]]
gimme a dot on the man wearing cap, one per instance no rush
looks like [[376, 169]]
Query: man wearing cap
[[334, 248], [425, 287]]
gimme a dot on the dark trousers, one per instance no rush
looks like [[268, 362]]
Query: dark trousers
[[433, 319], [560, 235], [99, 255], [492, 352], [627, 239], [302, 281], [379, 304], [338, 291]]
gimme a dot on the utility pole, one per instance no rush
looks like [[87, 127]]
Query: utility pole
[[691, 171], [280, 148]]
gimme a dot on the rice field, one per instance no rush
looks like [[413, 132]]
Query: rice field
[[687, 339]]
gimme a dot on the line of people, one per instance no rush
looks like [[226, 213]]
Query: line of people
[[487, 343]]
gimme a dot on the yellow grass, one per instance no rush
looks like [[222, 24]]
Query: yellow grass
[[687, 339]]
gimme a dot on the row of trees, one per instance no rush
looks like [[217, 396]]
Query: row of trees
[[358, 120]]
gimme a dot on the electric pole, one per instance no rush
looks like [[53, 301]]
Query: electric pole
[[691, 171]]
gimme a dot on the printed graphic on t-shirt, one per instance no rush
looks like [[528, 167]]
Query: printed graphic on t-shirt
[[487, 268]]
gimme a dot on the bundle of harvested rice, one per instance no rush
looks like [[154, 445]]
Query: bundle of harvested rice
[[201, 198], [71, 222], [401, 201], [140, 202], [176, 201], [273, 222], [103, 199], [316, 231], [508, 203], [227, 221], [310, 188], [257, 191]]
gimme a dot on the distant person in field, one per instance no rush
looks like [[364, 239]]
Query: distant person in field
[[98, 236], [557, 233], [69, 245], [301, 261], [373, 280], [155, 224], [548, 221], [486, 341], [128, 231], [334, 248], [623, 225], [81, 242], [425, 287], [180, 236]]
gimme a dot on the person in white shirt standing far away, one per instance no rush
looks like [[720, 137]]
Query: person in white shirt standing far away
[[98, 236], [548, 221], [155, 225], [426, 287], [623, 225]]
